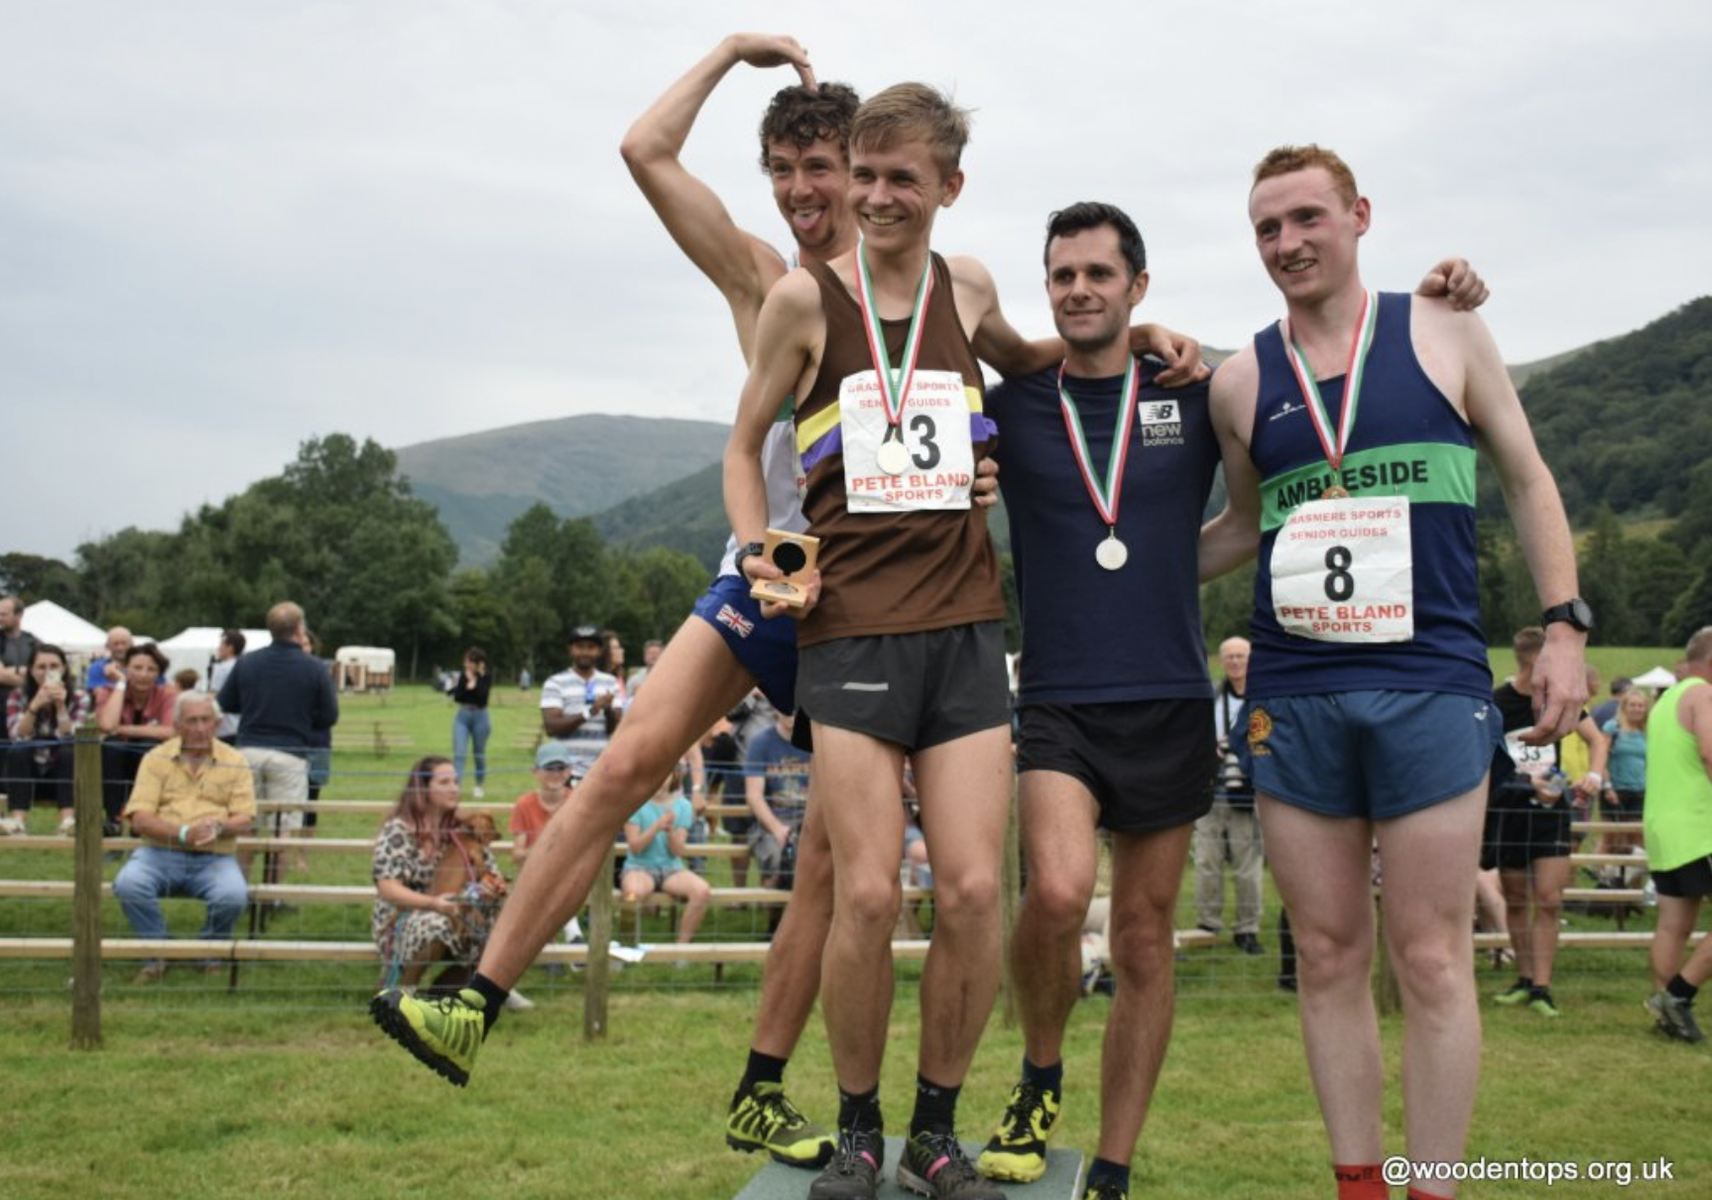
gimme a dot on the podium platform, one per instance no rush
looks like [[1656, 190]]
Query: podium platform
[[1062, 1181]]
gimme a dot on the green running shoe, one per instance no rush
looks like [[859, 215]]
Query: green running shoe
[[443, 1034], [1017, 1150], [854, 1172], [1542, 1004], [933, 1165], [765, 1119], [1105, 1190], [1517, 993]]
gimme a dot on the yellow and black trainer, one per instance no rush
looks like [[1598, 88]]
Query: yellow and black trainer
[[443, 1034], [1017, 1150], [763, 1118]]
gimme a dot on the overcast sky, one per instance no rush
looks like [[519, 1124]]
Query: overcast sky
[[226, 227]]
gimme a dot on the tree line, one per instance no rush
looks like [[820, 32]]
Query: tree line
[[340, 532]]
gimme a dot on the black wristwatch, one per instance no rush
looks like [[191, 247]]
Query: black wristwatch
[[1573, 613], [745, 550]]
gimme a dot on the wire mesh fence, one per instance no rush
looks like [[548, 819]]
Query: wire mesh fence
[[305, 940]]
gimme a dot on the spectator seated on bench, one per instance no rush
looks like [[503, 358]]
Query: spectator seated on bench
[[192, 800], [42, 717], [657, 834], [414, 924]]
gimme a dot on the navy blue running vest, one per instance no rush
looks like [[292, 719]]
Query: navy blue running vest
[[1408, 441]]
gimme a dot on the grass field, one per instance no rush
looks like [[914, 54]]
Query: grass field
[[284, 1087]]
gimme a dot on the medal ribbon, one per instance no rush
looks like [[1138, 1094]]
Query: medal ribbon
[[1359, 347], [1107, 493], [894, 385]]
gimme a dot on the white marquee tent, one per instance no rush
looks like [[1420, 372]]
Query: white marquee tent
[[194, 648], [1658, 677], [59, 626]]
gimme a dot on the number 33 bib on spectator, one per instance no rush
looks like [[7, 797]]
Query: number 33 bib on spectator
[[935, 429], [1342, 571]]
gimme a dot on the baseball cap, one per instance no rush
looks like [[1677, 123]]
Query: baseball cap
[[585, 633], [553, 754]]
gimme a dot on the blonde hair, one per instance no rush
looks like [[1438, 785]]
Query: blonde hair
[[1286, 160], [912, 112]]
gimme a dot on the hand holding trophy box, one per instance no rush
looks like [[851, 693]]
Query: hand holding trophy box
[[794, 554]]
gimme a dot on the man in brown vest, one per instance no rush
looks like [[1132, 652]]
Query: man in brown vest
[[902, 647]]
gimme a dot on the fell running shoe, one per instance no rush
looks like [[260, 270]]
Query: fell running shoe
[[1105, 1190], [443, 1034], [1517, 993], [765, 1119], [1542, 1004], [1017, 1150], [1675, 1017], [933, 1165], [854, 1172]]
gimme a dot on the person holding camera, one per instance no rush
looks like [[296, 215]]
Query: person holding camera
[[471, 723], [42, 717], [1229, 835]]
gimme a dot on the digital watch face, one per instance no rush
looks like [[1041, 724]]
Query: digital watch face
[[789, 557]]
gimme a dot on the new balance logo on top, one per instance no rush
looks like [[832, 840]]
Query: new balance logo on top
[[735, 621]]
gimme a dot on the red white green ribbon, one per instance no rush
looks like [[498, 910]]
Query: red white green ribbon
[[1106, 493], [1359, 347], [894, 385]]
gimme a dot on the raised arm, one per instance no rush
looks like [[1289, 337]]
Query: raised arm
[[740, 265]]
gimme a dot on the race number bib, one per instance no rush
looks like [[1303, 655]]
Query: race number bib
[[1536, 762], [1342, 571], [936, 434]]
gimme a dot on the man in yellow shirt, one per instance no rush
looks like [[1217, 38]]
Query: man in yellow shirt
[[193, 798]]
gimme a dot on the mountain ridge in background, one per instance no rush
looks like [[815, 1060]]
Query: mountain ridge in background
[[1620, 421]]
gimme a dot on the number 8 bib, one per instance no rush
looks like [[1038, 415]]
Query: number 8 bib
[[1343, 571]]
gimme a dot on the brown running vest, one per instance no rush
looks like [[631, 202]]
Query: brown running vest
[[892, 572]]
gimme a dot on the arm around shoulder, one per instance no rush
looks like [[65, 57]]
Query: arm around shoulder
[[1233, 536]]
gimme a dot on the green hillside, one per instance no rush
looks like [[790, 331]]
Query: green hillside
[[1627, 422], [576, 465], [1621, 422]]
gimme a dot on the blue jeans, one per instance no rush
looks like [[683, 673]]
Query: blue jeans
[[470, 723], [154, 871]]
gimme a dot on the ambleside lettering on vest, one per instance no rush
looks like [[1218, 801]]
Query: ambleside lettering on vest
[[1363, 478]]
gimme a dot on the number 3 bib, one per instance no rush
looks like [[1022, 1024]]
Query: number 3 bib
[[936, 434], [1343, 571]]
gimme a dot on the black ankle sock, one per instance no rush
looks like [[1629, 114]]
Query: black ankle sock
[[761, 1068], [493, 996], [1103, 1170], [1540, 991], [1051, 1078], [1682, 989], [1522, 981], [935, 1107], [860, 1110]]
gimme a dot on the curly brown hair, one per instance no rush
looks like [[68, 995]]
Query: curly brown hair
[[801, 117]]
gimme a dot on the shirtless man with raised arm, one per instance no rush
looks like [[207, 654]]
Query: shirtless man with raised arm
[[725, 649], [1348, 433]]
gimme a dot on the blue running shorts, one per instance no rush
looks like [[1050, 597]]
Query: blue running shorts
[[1373, 755], [766, 648]]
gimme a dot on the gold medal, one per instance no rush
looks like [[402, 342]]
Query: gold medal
[[1334, 493]]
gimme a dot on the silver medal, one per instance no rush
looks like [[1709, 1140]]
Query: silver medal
[[892, 457], [1112, 554]]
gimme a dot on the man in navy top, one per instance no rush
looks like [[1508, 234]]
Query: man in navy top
[[1349, 436], [282, 697], [1105, 477]]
